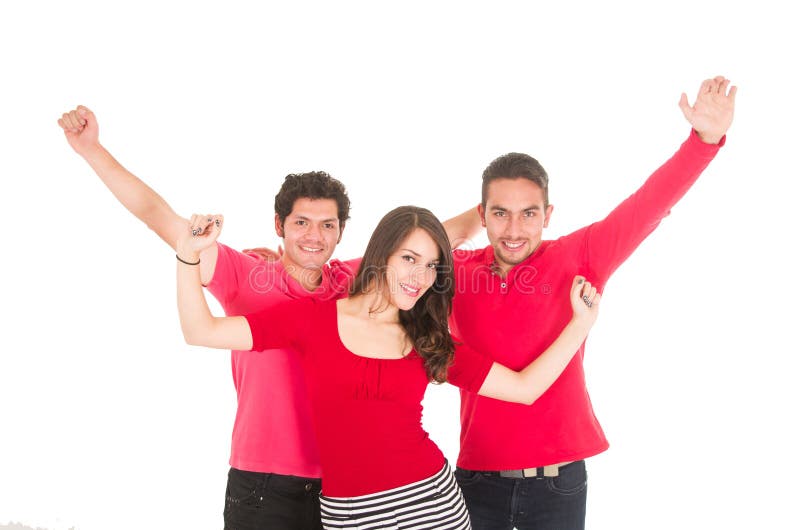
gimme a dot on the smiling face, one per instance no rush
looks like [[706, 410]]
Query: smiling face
[[411, 269], [514, 216], [310, 233]]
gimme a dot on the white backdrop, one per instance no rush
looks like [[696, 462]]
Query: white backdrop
[[109, 421]]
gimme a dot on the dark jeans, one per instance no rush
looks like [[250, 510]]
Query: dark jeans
[[261, 501], [535, 503]]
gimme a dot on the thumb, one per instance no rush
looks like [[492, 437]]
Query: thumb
[[577, 285], [87, 114], [684, 105]]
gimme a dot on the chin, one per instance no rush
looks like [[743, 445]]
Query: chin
[[406, 304]]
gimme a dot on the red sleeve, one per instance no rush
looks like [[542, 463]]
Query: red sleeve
[[469, 368], [284, 325], [609, 242], [231, 269]]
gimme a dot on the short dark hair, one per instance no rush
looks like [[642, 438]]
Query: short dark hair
[[515, 166], [311, 185]]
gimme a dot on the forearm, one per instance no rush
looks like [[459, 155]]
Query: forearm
[[199, 326], [538, 376], [527, 385], [136, 196], [463, 227], [610, 241]]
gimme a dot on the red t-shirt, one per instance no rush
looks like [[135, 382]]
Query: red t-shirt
[[272, 432], [513, 319], [367, 412]]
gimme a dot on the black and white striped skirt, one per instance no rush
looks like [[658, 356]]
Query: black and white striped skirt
[[435, 502]]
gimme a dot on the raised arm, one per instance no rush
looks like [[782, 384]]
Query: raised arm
[[463, 227], [610, 241], [199, 326], [82, 132], [527, 385]]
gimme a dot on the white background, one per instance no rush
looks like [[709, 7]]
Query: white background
[[109, 421]]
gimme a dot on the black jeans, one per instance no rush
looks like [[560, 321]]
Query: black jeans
[[266, 501], [535, 503]]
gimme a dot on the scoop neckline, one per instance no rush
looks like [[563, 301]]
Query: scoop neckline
[[351, 352]]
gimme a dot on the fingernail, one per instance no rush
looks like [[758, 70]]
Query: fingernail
[[216, 222], [580, 281], [194, 232]]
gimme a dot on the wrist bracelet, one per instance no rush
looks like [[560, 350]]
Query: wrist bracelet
[[188, 262]]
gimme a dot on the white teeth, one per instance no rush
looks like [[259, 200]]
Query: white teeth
[[513, 245], [309, 249], [409, 289]]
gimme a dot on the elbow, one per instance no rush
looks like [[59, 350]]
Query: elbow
[[192, 337], [530, 398]]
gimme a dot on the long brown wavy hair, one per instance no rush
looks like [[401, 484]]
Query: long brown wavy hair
[[425, 324]]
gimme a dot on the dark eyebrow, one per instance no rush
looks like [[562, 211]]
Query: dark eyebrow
[[504, 209], [411, 251], [304, 218]]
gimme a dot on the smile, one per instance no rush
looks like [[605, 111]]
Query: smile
[[410, 291], [513, 246], [310, 249]]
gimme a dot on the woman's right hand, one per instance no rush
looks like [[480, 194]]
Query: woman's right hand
[[201, 232], [585, 301]]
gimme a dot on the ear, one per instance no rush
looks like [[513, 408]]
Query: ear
[[278, 226], [547, 212], [482, 214], [341, 231]]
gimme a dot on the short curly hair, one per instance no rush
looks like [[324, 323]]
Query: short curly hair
[[311, 185]]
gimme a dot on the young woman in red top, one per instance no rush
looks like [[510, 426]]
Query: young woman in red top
[[368, 359]]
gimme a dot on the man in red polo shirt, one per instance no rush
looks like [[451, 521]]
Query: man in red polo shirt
[[523, 466]]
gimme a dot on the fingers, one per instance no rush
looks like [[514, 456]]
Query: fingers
[[732, 94], [584, 295], [722, 87], [72, 121], [201, 225], [588, 294], [577, 286]]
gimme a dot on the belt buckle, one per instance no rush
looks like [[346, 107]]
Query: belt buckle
[[538, 472], [520, 473]]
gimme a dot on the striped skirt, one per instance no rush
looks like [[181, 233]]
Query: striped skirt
[[435, 502]]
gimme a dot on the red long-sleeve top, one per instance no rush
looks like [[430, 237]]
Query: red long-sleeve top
[[515, 318]]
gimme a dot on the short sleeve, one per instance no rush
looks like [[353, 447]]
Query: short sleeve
[[231, 269], [284, 325], [469, 368]]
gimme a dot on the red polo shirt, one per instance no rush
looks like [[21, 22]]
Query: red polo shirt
[[514, 319]]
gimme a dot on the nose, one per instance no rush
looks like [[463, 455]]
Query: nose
[[315, 231], [513, 227]]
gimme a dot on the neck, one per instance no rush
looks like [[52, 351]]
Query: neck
[[372, 305], [308, 277]]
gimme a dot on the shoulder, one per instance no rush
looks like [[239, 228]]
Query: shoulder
[[464, 256]]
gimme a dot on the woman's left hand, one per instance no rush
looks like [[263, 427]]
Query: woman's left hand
[[201, 232]]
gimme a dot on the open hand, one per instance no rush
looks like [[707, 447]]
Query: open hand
[[712, 112]]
